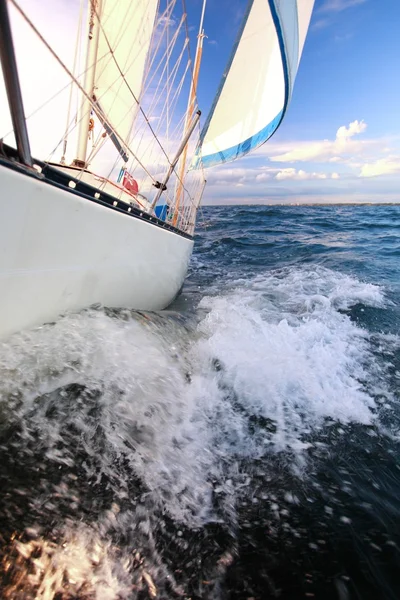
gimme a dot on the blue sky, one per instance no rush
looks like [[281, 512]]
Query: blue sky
[[340, 140]]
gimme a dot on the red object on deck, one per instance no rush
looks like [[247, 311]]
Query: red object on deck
[[130, 183]]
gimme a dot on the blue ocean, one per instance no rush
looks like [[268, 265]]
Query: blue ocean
[[243, 444]]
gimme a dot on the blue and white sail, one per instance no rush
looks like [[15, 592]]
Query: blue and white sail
[[258, 82]]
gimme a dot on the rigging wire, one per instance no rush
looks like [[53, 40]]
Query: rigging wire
[[76, 55], [160, 93], [54, 54], [136, 99], [143, 113], [114, 82], [129, 88]]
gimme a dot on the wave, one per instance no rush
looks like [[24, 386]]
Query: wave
[[120, 425]]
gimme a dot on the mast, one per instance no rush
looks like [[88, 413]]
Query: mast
[[163, 186], [189, 112], [90, 72], [11, 79], [195, 207], [71, 91]]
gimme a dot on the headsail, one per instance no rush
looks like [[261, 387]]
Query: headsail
[[125, 34], [258, 83]]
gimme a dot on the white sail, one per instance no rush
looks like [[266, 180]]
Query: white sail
[[125, 35], [257, 86]]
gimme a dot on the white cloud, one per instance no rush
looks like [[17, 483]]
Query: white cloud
[[166, 21], [263, 176], [389, 165], [268, 184], [305, 151], [339, 5], [347, 132], [320, 24], [328, 13], [222, 176], [353, 159], [291, 173], [337, 150]]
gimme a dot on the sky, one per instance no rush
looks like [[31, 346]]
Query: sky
[[340, 139]]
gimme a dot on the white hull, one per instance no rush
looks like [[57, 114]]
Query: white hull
[[61, 252]]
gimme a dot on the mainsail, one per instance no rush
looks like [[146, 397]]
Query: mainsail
[[258, 83], [120, 33], [126, 29]]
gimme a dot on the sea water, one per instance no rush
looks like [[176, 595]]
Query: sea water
[[243, 444]]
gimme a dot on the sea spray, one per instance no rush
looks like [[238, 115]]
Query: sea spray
[[137, 447]]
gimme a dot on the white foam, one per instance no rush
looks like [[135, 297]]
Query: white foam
[[289, 355], [148, 407], [275, 348]]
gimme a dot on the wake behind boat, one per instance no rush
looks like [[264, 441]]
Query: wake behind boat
[[71, 237]]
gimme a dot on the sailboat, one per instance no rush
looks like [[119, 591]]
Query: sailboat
[[71, 237]]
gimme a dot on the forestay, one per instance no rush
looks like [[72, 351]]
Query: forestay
[[125, 34], [258, 82]]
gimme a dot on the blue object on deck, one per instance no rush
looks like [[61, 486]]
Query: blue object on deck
[[161, 211]]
